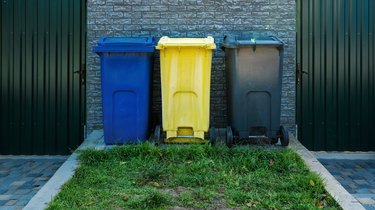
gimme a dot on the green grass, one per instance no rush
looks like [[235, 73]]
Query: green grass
[[192, 176]]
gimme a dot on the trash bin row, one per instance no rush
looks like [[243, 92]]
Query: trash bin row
[[253, 69]]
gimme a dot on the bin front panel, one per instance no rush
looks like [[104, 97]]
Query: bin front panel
[[185, 79], [126, 81], [254, 88]]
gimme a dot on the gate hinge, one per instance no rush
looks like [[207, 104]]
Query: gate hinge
[[299, 73], [83, 74]]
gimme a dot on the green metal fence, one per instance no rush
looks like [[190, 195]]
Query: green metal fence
[[42, 75], [335, 74]]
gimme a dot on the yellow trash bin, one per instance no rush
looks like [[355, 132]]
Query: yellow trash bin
[[185, 85]]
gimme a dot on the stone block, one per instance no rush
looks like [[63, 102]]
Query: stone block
[[11, 202], [366, 201]]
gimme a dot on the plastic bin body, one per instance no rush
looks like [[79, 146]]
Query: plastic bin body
[[126, 65], [254, 85], [185, 84]]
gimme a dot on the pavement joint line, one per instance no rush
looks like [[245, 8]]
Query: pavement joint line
[[359, 195], [33, 157], [345, 155], [66, 171], [333, 187]]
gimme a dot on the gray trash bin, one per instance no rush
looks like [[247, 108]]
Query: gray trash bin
[[254, 72]]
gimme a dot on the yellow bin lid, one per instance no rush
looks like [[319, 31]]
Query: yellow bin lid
[[166, 42]]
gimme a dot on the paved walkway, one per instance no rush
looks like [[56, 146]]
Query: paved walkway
[[356, 175], [22, 176]]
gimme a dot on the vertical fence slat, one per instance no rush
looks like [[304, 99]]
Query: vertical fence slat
[[22, 60], [3, 72], [359, 73], [318, 49], [306, 57], [63, 80], [365, 76], [26, 140], [74, 77], [311, 66], [372, 67], [51, 77], [16, 75], [329, 77], [83, 47], [353, 74], [3, 75], [37, 67], [40, 77], [342, 61], [299, 61]]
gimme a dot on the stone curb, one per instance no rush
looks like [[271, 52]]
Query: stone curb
[[338, 192], [345, 155], [33, 157], [48, 192]]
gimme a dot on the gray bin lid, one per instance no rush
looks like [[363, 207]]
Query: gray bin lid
[[233, 42]]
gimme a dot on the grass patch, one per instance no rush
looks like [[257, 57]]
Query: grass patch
[[192, 176]]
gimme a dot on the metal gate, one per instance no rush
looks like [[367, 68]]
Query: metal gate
[[42, 68], [336, 74]]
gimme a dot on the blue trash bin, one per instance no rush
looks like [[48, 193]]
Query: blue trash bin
[[126, 65]]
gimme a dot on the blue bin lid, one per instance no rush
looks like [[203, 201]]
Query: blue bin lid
[[122, 44], [233, 42]]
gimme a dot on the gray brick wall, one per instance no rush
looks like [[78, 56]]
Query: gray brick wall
[[192, 18]]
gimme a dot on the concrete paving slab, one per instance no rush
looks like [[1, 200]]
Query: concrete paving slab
[[19, 176], [357, 176], [11, 203], [345, 155], [366, 201]]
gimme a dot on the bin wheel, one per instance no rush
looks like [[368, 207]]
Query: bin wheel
[[213, 135], [229, 137], [157, 135], [284, 136]]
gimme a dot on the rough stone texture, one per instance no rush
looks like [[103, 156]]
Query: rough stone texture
[[192, 18]]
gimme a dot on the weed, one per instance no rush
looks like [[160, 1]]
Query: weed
[[152, 199]]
